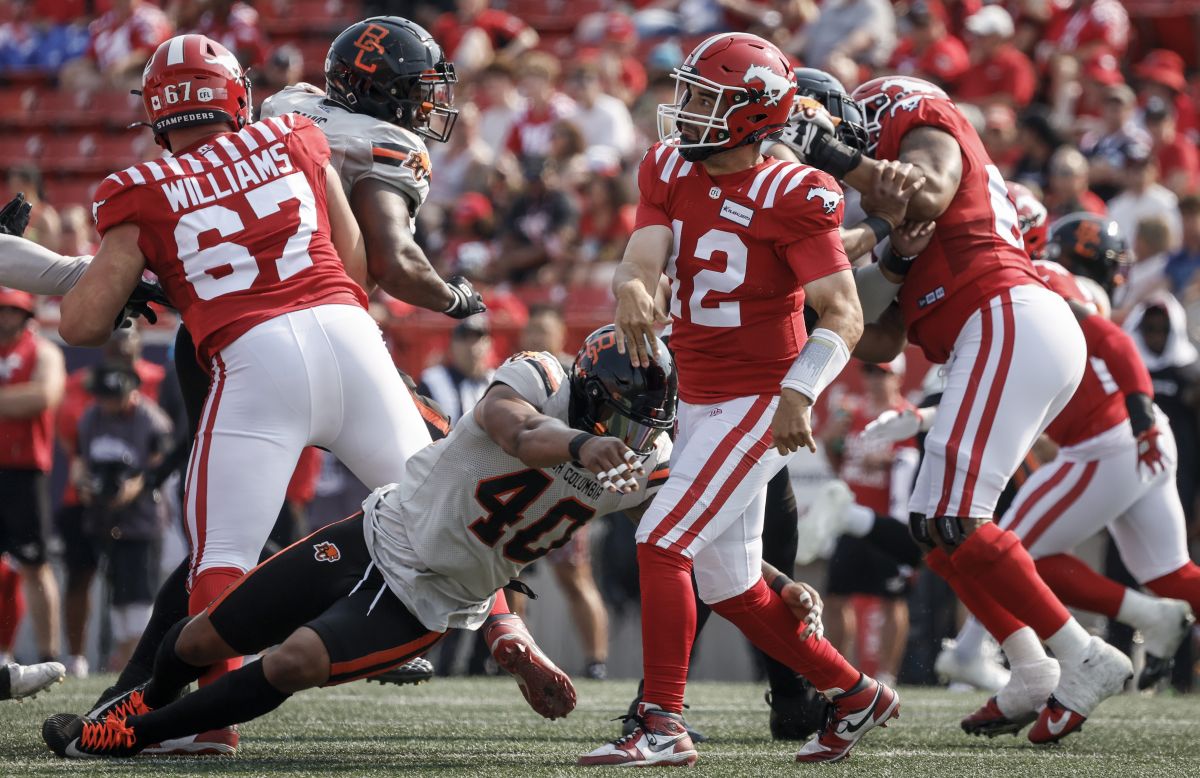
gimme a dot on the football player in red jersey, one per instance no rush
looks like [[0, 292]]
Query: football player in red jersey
[[745, 241], [1014, 352]]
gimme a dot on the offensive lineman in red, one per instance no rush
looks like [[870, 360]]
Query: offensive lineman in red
[[1015, 355], [745, 240], [250, 233]]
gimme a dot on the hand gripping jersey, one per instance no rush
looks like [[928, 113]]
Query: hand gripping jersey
[[745, 244], [235, 228], [362, 146], [976, 251], [467, 517]]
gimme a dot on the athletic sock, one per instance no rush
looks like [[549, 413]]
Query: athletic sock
[[668, 624], [1182, 584], [171, 674], [995, 559], [1023, 647], [235, 697], [208, 586], [1069, 642], [968, 646], [892, 538], [1079, 586], [858, 520], [770, 625], [976, 598], [1137, 610]]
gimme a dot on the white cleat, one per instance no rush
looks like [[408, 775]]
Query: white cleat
[[1172, 622], [824, 521], [983, 672], [27, 680]]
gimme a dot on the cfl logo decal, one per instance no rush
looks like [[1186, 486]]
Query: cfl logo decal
[[326, 552]]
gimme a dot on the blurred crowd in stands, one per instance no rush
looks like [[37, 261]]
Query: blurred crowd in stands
[[1092, 104]]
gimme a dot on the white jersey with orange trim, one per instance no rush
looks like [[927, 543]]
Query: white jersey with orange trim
[[467, 517], [362, 146]]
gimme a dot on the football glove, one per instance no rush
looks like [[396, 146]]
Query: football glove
[[895, 426], [812, 134], [14, 216], [138, 304], [1150, 455], [467, 302]]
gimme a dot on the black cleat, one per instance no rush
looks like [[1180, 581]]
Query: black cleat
[[75, 737], [797, 716], [412, 672]]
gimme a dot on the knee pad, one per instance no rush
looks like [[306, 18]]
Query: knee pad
[[920, 533]]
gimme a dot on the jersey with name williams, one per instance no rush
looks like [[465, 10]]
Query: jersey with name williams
[[362, 146], [745, 244], [235, 227], [467, 517]]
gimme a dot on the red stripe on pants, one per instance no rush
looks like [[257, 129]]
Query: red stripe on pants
[[964, 413], [204, 440], [995, 391], [696, 489], [1024, 509], [1061, 506]]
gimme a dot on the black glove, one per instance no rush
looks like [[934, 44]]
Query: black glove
[[467, 302], [138, 304], [14, 216]]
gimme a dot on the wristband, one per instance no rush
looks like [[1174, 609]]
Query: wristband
[[835, 158], [577, 443], [779, 583], [1141, 412], [821, 360], [879, 226], [897, 263]]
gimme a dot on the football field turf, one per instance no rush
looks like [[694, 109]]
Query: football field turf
[[483, 728]]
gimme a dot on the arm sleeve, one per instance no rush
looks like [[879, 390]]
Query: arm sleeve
[[651, 207], [535, 375], [1117, 349], [32, 268]]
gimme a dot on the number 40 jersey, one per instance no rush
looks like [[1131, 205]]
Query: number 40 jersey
[[467, 517]]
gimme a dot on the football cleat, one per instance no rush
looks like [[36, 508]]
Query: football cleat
[[1162, 638], [76, 737], [853, 714], [824, 521], [629, 720], [122, 705], [981, 672], [20, 681], [991, 721], [411, 673], [658, 739], [1098, 675], [797, 716], [547, 689], [215, 742]]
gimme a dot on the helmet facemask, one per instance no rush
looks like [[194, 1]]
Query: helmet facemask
[[712, 128]]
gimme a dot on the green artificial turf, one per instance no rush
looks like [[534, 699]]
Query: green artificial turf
[[468, 727]]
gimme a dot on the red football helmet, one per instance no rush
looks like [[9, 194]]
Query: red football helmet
[[1032, 218], [880, 98], [192, 80], [750, 88]]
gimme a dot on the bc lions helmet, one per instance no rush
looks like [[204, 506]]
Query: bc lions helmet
[[827, 90], [393, 69], [881, 97], [192, 80], [609, 396], [1090, 246], [732, 90]]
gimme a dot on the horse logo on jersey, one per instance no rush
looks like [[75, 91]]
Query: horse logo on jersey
[[326, 552], [830, 199], [775, 86]]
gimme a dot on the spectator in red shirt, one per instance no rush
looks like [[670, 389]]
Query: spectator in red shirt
[[235, 26], [1176, 155], [475, 34], [1084, 28], [930, 51], [531, 131], [1067, 190], [1160, 74], [998, 72], [122, 40]]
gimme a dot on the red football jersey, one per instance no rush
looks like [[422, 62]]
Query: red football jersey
[[745, 245], [871, 483], [235, 228], [976, 251], [1114, 370]]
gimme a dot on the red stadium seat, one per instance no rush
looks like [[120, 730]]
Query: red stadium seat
[[16, 104], [61, 192], [17, 150], [61, 109], [554, 15]]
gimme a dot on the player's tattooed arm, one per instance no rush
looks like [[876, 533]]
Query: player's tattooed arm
[[539, 440], [90, 307], [347, 238], [634, 284], [937, 155], [394, 260], [883, 339]]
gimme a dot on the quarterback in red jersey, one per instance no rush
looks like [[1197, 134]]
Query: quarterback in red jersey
[[1014, 352], [745, 241]]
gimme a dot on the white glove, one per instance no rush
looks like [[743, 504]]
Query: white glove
[[809, 127], [895, 426]]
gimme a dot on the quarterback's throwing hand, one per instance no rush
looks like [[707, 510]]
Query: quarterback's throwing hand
[[635, 321], [791, 426]]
